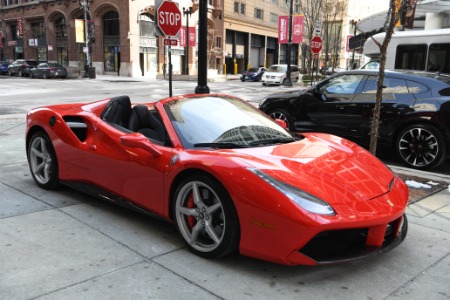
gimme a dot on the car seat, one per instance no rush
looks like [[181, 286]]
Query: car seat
[[117, 111], [143, 121]]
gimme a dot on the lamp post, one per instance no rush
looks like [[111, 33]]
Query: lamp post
[[287, 81], [353, 22], [187, 13], [84, 4], [202, 78]]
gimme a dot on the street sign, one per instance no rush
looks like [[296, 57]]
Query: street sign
[[170, 42], [169, 18], [318, 27], [316, 44]]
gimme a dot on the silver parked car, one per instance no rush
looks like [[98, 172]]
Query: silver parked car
[[276, 74], [48, 70]]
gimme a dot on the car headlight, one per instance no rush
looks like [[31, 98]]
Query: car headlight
[[301, 198]]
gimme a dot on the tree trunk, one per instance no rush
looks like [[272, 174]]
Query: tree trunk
[[393, 17]]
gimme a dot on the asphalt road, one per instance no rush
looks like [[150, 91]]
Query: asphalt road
[[18, 95], [66, 245]]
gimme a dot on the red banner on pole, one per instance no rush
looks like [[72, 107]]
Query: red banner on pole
[[283, 29], [182, 35], [297, 29], [19, 27], [192, 39]]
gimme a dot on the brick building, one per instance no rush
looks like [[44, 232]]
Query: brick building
[[122, 34], [124, 40]]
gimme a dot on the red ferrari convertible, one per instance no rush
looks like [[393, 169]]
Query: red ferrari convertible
[[228, 176]]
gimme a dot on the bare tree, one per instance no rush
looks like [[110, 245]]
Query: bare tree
[[396, 9], [311, 10], [333, 14]]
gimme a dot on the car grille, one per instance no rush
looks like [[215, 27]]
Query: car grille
[[338, 245]]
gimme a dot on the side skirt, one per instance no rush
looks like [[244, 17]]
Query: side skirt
[[110, 197]]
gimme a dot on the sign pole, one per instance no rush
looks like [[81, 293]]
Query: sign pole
[[170, 70], [168, 19]]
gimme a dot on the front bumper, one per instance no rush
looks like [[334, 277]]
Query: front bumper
[[347, 244]]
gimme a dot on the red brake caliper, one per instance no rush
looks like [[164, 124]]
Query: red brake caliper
[[191, 221]]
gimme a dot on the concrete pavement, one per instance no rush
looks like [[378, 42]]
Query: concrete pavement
[[66, 245]]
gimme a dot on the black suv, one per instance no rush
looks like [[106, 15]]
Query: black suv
[[21, 67]]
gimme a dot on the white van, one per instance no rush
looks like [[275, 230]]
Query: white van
[[276, 74], [425, 50]]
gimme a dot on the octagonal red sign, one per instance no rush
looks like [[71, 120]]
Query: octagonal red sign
[[169, 18], [316, 44]]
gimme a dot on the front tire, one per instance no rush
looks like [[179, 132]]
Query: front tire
[[206, 217], [421, 146], [20, 73], [42, 161], [283, 115], [44, 75]]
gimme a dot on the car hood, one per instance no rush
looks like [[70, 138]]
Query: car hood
[[274, 73], [326, 166]]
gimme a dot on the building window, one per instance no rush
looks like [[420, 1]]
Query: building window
[[62, 53], [146, 26], [10, 2], [111, 24], [111, 41], [218, 41], [259, 14], [61, 29], [296, 8], [275, 2], [273, 18], [237, 10], [14, 35]]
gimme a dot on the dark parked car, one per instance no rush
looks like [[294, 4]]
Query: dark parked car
[[48, 70], [21, 67], [253, 74], [4, 67], [415, 114]]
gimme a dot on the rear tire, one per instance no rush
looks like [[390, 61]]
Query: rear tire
[[44, 75], [42, 161]]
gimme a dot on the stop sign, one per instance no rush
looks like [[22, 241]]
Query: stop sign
[[316, 44], [169, 18]]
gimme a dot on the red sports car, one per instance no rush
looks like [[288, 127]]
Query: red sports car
[[227, 175]]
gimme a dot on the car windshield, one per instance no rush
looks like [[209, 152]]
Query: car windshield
[[222, 122], [277, 69]]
